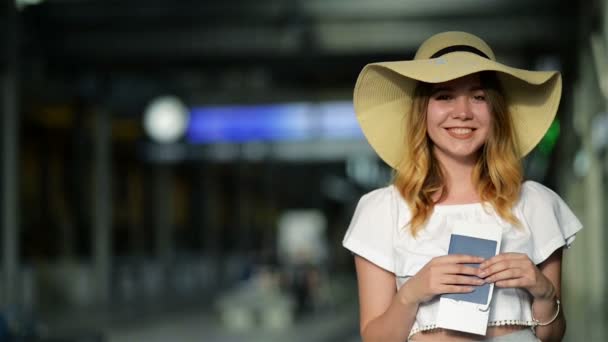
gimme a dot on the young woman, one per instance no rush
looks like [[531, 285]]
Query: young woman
[[454, 124]]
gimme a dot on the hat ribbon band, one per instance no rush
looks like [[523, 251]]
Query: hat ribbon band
[[455, 48]]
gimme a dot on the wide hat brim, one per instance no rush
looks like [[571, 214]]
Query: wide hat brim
[[383, 97]]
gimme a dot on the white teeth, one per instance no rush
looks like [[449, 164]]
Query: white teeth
[[458, 130]]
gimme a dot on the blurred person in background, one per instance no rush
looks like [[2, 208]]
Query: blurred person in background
[[303, 254], [454, 124]]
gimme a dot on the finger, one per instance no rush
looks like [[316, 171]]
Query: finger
[[456, 289], [493, 260], [462, 280], [511, 273], [459, 259], [502, 257], [497, 267], [461, 269]]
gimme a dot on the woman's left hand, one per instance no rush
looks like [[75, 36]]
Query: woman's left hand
[[516, 270]]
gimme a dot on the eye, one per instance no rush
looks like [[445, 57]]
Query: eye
[[479, 97], [442, 97]]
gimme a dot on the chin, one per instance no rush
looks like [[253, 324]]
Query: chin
[[468, 155]]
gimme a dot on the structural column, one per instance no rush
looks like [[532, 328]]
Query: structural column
[[10, 140], [102, 199], [590, 253], [163, 213]]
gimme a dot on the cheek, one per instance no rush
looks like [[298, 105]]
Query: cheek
[[485, 117], [432, 124], [488, 123], [434, 115], [484, 113]]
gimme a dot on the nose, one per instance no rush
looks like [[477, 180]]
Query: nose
[[462, 108]]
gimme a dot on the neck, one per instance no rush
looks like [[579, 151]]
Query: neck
[[459, 184]]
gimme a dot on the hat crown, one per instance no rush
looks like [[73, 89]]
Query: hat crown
[[448, 39]]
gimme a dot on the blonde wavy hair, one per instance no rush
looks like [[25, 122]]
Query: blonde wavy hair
[[497, 174]]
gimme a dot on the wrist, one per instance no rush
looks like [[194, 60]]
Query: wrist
[[547, 292], [406, 296]]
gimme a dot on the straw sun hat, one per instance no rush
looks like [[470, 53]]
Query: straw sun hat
[[383, 92]]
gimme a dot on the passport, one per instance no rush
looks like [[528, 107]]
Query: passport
[[462, 244]]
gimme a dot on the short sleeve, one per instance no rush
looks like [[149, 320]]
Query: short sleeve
[[551, 222], [370, 233]]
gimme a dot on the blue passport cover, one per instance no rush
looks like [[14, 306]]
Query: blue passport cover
[[461, 244]]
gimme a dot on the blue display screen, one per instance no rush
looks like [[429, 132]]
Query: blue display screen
[[274, 122]]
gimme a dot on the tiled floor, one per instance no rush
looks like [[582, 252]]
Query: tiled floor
[[339, 325]]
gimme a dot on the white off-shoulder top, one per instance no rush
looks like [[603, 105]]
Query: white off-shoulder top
[[378, 233]]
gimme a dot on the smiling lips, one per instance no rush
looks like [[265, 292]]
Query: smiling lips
[[460, 132]]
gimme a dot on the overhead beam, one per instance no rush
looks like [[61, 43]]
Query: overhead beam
[[324, 38], [387, 9], [83, 11]]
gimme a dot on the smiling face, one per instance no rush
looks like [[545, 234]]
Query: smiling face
[[458, 119]]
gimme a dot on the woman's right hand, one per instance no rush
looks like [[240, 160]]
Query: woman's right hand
[[444, 274]]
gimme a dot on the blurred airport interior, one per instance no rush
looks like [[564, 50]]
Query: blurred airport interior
[[186, 170]]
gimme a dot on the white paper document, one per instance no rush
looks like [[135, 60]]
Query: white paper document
[[469, 312]]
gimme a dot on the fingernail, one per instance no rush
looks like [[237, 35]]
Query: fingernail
[[482, 274]]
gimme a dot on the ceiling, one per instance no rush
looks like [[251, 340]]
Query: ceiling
[[133, 49], [189, 31]]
